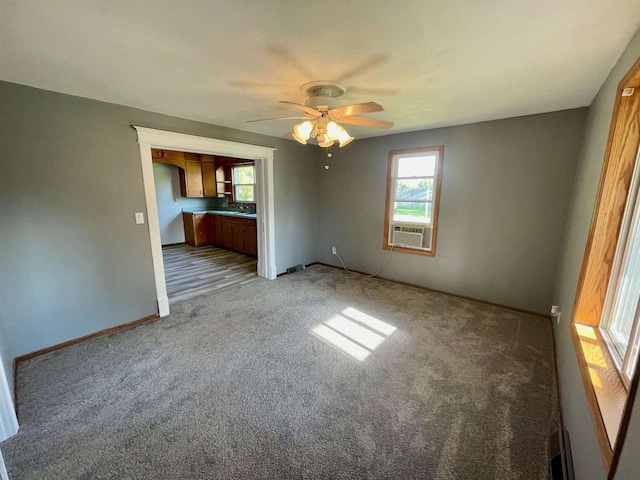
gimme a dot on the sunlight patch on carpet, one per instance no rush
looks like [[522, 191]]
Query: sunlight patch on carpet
[[353, 332]]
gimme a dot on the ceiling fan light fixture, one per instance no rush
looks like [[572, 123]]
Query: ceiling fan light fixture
[[324, 140], [302, 132], [334, 130], [344, 138]]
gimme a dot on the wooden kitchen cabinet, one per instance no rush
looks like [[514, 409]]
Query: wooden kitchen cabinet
[[237, 237], [191, 179], [239, 234], [217, 222], [169, 157], [209, 179], [250, 237], [227, 233], [196, 229], [211, 228]]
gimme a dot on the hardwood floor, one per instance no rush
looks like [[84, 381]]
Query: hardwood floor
[[191, 271]]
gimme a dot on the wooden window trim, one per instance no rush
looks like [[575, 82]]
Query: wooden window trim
[[436, 199], [609, 402]]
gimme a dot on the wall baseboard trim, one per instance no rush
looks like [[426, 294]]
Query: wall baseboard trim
[[457, 295], [91, 336]]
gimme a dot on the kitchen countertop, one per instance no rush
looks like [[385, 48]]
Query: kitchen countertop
[[231, 213]]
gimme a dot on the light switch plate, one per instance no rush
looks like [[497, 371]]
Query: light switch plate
[[139, 218]]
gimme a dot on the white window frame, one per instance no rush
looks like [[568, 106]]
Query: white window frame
[[236, 185], [394, 180]]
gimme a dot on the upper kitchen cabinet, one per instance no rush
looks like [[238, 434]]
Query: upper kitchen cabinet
[[168, 156], [197, 171], [191, 184], [209, 179]]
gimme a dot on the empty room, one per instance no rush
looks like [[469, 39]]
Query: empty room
[[364, 239]]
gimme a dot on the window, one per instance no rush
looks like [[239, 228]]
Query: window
[[413, 188], [604, 326], [244, 183], [620, 316]]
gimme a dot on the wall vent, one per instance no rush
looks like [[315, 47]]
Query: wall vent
[[560, 461]]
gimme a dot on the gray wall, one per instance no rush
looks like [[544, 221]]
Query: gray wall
[[73, 261], [502, 210], [574, 404], [170, 203]]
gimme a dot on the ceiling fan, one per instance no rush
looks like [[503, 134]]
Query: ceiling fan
[[323, 115]]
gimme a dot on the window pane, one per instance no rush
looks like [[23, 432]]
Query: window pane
[[417, 166], [244, 193], [628, 292], [243, 174], [418, 189], [412, 212]]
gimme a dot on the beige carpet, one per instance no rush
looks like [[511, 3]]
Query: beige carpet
[[319, 374]]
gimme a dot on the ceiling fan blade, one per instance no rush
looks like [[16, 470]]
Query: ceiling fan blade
[[288, 135], [276, 118], [356, 109], [309, 110], [367, 122]]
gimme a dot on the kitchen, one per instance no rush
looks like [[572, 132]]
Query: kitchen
[[207, 216]]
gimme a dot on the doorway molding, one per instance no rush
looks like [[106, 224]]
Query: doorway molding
[[149, 138]]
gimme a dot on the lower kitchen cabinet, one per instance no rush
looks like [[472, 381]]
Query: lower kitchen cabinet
[[216, 239], [196, 231], [239, 234], [250, 237], [227, 234]]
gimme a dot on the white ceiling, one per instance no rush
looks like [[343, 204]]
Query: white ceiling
[[429, 63]]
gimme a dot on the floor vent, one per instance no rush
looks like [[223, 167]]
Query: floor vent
[[295, 269], [560, 462]]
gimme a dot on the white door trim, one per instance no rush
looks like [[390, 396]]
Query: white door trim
[[150, 138]]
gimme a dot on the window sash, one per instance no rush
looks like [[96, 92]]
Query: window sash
[[395, 199], [236, 194], [236, 185]]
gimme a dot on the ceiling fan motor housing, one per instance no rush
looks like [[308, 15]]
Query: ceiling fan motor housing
[[323, 95], [322, 102]]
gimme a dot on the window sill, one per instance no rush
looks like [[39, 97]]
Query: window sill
[[426, 253], [606, 393]]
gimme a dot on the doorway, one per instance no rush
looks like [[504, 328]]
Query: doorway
[[264, 198]]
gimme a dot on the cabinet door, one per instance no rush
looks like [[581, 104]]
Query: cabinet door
[[192, 180], [227, 234], [238, 238], [211, 228], [189, 229], [201, 229], [208, 179], [250, 238], [218, 229]]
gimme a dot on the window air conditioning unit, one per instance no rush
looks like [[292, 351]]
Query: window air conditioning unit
[[410, 236]]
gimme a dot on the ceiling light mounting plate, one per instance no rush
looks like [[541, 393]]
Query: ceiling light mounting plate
[[324, 88], [323, 94]]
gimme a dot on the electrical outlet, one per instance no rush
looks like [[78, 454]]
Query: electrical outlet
[[556, 312], [139, 218], [334, 250]]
